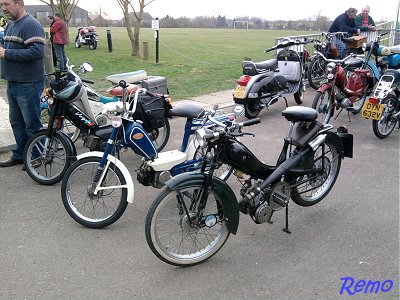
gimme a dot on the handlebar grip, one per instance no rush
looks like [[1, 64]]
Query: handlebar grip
[[87, 80], [250, 122], [213, 135]]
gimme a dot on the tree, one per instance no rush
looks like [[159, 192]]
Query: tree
[[64, 7], [138, 14]]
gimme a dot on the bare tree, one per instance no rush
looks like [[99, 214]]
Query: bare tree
[[133, 36], [64, 7]]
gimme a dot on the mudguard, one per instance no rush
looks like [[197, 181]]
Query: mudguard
[[324, 87], [224, 192], [343, 144], [121, 166]]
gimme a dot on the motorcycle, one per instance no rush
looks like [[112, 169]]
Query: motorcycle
[[343, 88], [98, 187], [383, 107], [87, 36], [263, 83], [193, 216], [49, 152]]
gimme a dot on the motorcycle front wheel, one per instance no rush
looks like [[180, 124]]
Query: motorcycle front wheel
[[251, 109], [160, 136], [47, 159], [93, 45], [384, 126], [316, 72], [299, 95], [176, 236], [77, 43], [325, 105], [310, 189], [89, 210]]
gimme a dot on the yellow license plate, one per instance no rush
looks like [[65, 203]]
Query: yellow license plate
[[240, 92], [372, 111]]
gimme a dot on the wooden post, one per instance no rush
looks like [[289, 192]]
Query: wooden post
[[146, 51], [48, 59]]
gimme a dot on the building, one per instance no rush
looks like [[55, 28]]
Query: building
[[80, 17]]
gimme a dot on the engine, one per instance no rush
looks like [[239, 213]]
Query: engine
[[147, 176]]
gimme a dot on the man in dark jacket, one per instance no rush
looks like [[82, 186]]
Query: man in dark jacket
[[344, 23]]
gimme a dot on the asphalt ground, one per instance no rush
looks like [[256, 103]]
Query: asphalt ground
[[353, 232]]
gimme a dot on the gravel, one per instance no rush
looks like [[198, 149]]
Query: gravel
[[4, 123]]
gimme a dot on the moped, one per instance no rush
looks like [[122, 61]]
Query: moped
[[193, 216], [263, 83], [97, 188]]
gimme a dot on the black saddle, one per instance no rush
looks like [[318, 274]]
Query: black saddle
[[298, 113], [187, 110]]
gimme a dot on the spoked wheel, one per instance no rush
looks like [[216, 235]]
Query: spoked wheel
[[316, 72], [223, 171], [93, 45], [310, 189], [383, 128], [160, 136], [299, 95], [86, 208], [47, 159], [77, 43], [251, 109], [176, 235], [325, 106], [68, 128]]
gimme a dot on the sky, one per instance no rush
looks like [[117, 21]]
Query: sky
[[287, 10]]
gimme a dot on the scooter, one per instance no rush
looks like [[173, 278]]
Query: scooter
[[263, 83], [98, 187], [87, 36]]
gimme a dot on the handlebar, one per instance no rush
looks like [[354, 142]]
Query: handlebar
[[87, 80], [286, 44], [340, 61]]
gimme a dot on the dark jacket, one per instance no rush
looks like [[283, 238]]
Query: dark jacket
[[343, 24], [358, 21]]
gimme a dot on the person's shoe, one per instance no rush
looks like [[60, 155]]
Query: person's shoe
[[10, 162], [35, 164]]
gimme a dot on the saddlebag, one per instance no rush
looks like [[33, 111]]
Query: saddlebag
[[150, 110]]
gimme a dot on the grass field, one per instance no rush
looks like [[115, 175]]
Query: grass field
[[194, 61]]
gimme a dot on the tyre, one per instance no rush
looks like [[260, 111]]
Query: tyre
[[316, 72], [312, 188], [251, 109], [324, 104], [358, 104], [47, 160], [160, 136], [77, 43], [223, 171], [93, 211], [93, 45], [68, 128], [299, 95], [383, 128], [170, 235]]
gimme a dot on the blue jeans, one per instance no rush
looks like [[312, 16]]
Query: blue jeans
[[24, 112], [62, 59]]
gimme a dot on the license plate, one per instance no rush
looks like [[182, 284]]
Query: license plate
[[240, 92], [372, 111]]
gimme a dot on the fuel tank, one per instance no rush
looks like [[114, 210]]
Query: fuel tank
[[138, 139], [241, 158]]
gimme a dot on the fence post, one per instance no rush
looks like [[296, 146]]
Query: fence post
[[145, 50], [109, 41], [48, 59]]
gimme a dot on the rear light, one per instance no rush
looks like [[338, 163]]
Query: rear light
[[243, 80], [373, 100], [231, 118], [168, 99]]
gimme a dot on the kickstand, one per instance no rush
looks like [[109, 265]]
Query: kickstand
[[286, 101], [286, 229]]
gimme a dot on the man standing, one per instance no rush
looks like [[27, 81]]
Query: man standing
[[22, 53], [60, 38], [364, 21], [53, 51]]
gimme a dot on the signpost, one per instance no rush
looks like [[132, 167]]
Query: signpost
[[155, 25]]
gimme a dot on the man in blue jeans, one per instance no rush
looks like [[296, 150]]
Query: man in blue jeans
[[59, 33], [22, 53]]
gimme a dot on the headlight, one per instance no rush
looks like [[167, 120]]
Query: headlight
[[116, 122], [200, 138], [366, 46]]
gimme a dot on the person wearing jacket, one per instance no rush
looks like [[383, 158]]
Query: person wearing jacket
[[22, 66], [344, 23], [60, 38], [364, 21]]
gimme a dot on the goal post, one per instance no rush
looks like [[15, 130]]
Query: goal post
[[246, 23]]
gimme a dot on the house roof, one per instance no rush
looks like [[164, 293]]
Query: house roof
[[94, 15]]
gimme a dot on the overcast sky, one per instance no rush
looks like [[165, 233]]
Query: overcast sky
[[285, 10]]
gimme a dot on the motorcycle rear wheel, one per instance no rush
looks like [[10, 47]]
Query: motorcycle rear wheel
[[383, 128], [251, 109], [77, 43], [170, 235], [316, 72], [47, 165], [93, 45], [315, 187], [325, 105], [93, 211]]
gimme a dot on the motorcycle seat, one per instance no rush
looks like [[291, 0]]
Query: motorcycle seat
[[117, 91], [355, 62], [129, 77], [251, 68], [298, 113], [394, 73], [187, 110]]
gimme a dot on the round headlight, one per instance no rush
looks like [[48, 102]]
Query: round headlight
[[199, 138], [116, 122], [330, 67]]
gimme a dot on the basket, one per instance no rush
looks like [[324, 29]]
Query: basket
[[357, 42]]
